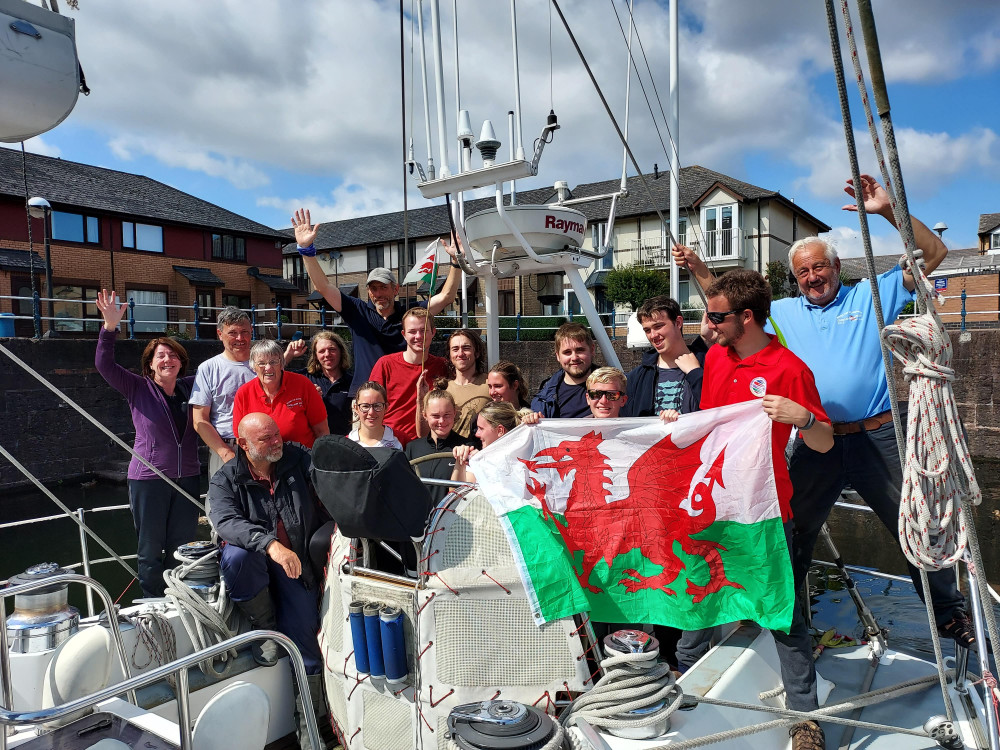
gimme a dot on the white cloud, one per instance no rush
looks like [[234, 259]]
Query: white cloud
[[245, 90], [36, 145], [847, 240], [177, 153]]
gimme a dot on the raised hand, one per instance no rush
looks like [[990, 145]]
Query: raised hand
[[305, 230], [876, 199], [454, 249], [111, 311]]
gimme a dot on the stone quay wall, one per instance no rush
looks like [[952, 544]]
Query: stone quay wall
[[56, 443]]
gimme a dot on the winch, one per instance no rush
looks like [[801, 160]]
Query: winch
[[204, 577], [637, 642], [42, 618], [490, 725]]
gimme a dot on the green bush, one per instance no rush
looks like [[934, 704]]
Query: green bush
[[633, 285]]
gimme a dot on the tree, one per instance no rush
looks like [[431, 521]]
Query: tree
[[777, 276], [632, 285]]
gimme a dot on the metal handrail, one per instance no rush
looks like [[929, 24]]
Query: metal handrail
[[180, 668], [5, 678]]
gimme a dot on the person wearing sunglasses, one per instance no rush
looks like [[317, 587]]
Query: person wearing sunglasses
[[831, 323], [606, 392], [669, 377]]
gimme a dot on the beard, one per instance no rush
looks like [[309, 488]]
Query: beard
[[728, 340], [262, 456]]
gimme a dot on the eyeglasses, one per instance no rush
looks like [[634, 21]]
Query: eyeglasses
[[611, 395], [269, 363], [717, 317], [371, 407]]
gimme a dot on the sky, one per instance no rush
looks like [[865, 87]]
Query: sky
[[261, 107]]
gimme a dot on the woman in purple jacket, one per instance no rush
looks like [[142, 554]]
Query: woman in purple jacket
[[164, 436]]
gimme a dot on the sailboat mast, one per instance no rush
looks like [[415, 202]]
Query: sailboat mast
[[675, 161]]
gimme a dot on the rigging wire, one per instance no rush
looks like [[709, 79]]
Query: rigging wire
[[552, 100], [27, 215], [621, 135], [668, 153], [404, 253]]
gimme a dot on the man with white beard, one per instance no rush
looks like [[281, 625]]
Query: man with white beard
[[263, 509]]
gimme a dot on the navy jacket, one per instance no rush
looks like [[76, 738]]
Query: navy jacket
[[641, 387], [546, 401], [244, 513]]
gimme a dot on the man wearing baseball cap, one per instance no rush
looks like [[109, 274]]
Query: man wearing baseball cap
[[375, 323]]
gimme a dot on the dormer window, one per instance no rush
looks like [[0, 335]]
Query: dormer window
[[995, 240]]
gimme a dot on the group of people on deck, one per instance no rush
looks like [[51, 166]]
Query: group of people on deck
[[259, 419]]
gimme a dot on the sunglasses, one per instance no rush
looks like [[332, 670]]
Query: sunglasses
[[718, 317], [611, 395]]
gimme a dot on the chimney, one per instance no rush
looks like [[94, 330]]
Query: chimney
[[656, 171], [562, 190]]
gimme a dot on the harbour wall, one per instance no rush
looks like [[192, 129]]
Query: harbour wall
[[56, 443]]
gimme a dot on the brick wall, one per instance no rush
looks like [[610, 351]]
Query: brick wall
[[57, 443], [977, 309]]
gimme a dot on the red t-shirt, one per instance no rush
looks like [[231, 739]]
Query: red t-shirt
[[296, 407], [728, 380], [400, 380]]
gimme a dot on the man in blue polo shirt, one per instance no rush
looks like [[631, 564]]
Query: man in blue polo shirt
[[832, 328], [375, 323]]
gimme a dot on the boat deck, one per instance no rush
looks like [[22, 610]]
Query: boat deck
[[745, 664]]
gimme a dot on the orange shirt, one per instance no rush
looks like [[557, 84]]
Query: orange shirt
[[296, 407]]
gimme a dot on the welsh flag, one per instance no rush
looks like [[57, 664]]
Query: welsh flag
[[639, 522], [426, 268]]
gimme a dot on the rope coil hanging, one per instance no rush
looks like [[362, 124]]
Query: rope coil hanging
[[937, 468]]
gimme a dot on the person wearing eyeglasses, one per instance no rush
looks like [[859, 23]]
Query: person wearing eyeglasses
[[606, 392], [369, 409], [832, 323], [669, 377]]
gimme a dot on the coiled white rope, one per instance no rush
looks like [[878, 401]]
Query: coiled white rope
[[937, 468], [631, 682], [206, 624]]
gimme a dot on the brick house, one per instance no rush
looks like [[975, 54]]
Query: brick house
[[735, 224], [148, 241]]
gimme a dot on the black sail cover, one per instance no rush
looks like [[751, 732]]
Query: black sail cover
[[371, 493]]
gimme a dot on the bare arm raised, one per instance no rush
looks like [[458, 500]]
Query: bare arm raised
[[446, 296], [877, 202], [305, 236]]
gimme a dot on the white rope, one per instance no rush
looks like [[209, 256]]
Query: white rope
[[206, 624], [937, 468], [631, 682]]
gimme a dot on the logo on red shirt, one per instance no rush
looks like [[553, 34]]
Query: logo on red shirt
[[758, 387]]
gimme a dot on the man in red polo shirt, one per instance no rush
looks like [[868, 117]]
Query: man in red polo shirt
[[401, 372], [751, 364]]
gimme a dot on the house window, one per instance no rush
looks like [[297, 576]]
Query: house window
[[241, 301], [75, 309], [75, 228], [995, 240], [376, 256], [411, 256], [601, 301], [146, 237], [206, 305], [682, 228], [228, 247], [150, 310], [506, 302], [294, 270]]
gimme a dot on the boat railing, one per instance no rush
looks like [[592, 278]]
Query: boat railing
[[85, 561], [178, 668], [6, 685]]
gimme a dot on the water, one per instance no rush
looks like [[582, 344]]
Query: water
[[59, 540]]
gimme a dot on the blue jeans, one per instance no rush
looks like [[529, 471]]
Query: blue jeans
[[164, 520], [868, 462], [248, 573]]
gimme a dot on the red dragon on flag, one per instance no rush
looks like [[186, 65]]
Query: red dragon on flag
[[636, 521]]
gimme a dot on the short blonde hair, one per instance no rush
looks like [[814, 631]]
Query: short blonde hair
[[607, 375]]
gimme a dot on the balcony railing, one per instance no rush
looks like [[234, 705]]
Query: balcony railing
[[720, 245]]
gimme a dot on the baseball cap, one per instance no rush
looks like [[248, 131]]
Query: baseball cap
[[382, 275]]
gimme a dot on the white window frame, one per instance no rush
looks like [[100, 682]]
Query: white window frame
[[150, 306]]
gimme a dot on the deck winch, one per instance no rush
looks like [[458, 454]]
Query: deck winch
[[202, 578], [42, 618], [490, 725]]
